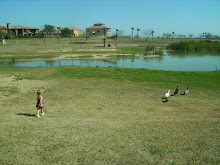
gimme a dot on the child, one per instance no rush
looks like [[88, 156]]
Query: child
[[40, 103]]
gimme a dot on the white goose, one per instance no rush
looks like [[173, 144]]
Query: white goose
[[167, 95]]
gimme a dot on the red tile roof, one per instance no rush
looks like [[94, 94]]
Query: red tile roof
[[98, 27], [74, 28]]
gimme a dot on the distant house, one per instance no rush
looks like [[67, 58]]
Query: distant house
[[21, 30], [76, 31], [98, 30]]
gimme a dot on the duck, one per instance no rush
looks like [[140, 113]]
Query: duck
[[167, 95], [176, 91]]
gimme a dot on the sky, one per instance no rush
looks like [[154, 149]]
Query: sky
[[163, 16]]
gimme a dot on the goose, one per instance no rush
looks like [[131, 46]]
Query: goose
[[167, 95], [176, 91], [186, 91]]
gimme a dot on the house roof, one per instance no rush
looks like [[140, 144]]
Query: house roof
[[21, 27], [3, 26], [99, 23], [98, 27], [74, 28]]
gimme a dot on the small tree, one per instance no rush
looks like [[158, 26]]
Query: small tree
[[49, 29], [191, 35], [66, 32], [209, 36], [147, 33], [2, 34]]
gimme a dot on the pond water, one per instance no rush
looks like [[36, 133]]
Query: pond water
[[172, 61]]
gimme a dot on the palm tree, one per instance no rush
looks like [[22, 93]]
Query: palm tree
[[137, 32], [163, 36], [105, 30], [132, 29], [173, 35], [152, 34], [49, 29], [204, 34], [116, 38], [58, 28]]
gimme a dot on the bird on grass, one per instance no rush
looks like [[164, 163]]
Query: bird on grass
[[186, 91], [167, 95], [176, 91]]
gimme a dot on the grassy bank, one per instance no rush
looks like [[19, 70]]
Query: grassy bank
[[108, 116], [200, 46], [49, 49]]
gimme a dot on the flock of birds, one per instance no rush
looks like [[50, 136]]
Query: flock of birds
[[167, 95]]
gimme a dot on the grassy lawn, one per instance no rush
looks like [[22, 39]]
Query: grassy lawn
[[108, 116]]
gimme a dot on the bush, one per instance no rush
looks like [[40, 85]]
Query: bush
[[201, 46]]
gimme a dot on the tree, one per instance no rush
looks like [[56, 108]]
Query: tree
[[137, 32], [152, 33], [105, 30], [120, 32], [167, 35], [132, 29], [49, 29], [66, 32], [208, 36], [148, 33], [2, 33], [116, 37], [216, 37], [204, 34], [172, 35], [191, 35], [58, 28]]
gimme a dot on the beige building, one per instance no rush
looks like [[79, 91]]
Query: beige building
[[76, 31], [98, 30]]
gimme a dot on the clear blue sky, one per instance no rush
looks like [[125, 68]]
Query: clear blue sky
[[163, 16]]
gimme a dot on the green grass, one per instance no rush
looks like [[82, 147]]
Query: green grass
[[108, 116]]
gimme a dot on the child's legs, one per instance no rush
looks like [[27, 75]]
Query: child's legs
[[42, 110], [38, 110]]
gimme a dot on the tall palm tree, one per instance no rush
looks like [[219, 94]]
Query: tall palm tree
[[163, 36], [173, 35], [137, 32], [132, 29], [105, 30], [58, 28], [152, 34], [116, 38]]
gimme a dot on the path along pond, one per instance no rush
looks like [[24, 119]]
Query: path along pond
[[172, 61]]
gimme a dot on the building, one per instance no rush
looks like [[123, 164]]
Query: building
[[76, 31], [19, 30], [98, 30]]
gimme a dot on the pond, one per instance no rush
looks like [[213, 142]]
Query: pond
[[172, 61]]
